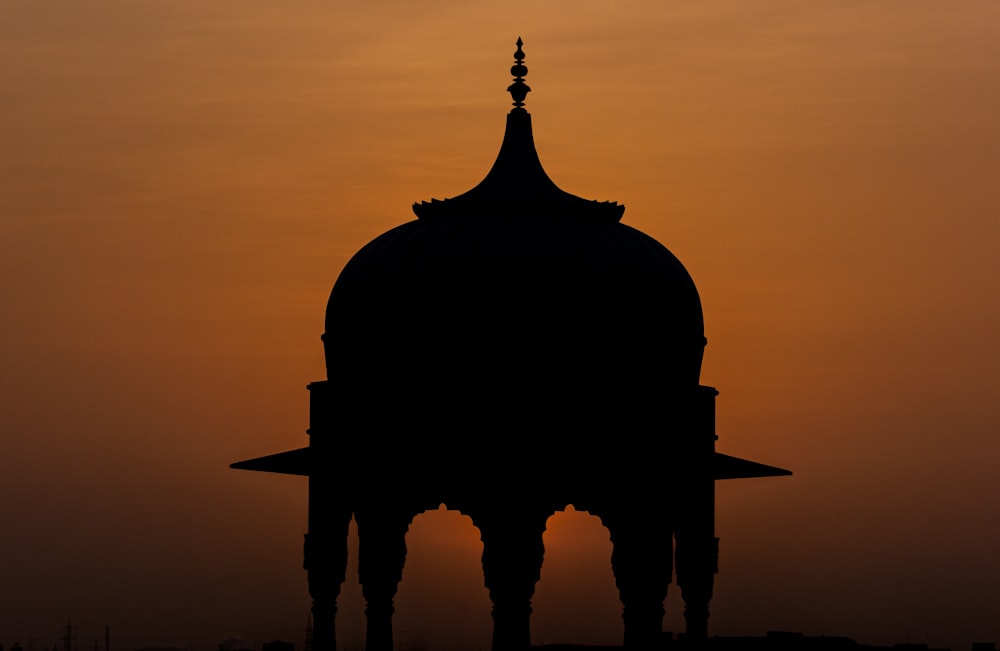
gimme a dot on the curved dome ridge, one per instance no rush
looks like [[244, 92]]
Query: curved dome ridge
[[556, 284]]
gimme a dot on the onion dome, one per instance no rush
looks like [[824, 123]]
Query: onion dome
[[515, 299]]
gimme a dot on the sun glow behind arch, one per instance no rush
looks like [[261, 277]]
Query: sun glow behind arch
[[577, 561]]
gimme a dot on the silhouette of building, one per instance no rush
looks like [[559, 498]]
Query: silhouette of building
[[773, 641], [514, 350]]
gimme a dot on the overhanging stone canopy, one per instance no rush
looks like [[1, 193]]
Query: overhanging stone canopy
[[514, 350]]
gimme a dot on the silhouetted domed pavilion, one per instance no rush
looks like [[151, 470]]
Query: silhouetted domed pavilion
[[514, 350]]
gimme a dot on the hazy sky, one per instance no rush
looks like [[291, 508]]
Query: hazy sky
[[181, 182]]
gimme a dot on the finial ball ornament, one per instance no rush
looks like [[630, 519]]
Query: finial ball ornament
[[519, 90]]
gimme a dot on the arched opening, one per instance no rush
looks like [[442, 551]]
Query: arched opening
[[350, 604], [442, 602], [673, 605], [576, 601]]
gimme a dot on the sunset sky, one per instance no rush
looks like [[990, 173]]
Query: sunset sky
[[182, 181]]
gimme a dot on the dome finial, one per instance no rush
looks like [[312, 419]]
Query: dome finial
[[517, 180], [519, 90]]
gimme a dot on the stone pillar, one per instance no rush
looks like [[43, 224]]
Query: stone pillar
[[697, 546], [512, 564], [381, 556], [641, 561], [326, 565], [329, 518], [697, 557]]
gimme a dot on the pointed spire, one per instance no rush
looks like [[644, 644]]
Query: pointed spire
[[517, 185], [519, 90]]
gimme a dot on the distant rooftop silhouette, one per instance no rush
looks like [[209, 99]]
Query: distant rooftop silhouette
[[514, 350]]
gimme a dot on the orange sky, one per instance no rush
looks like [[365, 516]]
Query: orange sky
[[181, 182]]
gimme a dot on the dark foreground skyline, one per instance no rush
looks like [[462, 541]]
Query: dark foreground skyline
[[770, 641]]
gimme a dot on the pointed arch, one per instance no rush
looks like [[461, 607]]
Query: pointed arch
[[351, 605], [442, 602], [576, 601]]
